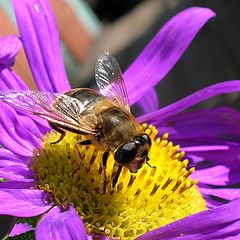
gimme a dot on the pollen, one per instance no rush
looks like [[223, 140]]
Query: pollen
[[139, 202]]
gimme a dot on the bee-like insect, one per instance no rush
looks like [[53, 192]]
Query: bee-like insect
[[104, 118]]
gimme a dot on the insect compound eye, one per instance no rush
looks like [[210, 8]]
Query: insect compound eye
[[125, 153], [147, 139]]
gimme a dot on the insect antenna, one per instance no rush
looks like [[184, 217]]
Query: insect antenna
[[147, 162]]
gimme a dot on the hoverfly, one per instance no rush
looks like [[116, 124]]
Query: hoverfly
[[104, 118]]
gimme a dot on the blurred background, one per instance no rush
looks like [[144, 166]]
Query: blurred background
[[90, 27], [124, 27]]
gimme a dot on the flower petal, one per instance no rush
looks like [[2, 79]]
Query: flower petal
[[221, 122], [10, 143], [10, 80], [212, 202], [17, 173], [158, 58], [191, 100], [18, 130], [220, 175], [219, 223], [225, 193], [24, 202], [211, 135], [149, 102], [5, 154], [37, 26], [58, 224], [20, 228], [7, 163], [9, 48], [17, 185]]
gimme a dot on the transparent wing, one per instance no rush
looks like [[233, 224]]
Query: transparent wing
[[57, 108], [110, 80]]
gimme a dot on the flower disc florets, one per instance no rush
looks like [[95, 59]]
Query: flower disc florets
[[140, 202]]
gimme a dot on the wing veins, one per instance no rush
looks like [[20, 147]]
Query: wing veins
[[110, 80]]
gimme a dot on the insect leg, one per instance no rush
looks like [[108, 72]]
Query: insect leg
[[104, 162], [117, 175], [147, 159], [59, 130], [85, 142]]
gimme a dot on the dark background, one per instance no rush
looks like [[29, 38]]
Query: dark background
[[213, 56]]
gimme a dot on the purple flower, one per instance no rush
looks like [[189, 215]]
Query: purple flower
[[209, 137]]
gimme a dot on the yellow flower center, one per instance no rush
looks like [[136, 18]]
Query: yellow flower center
[[149, 199]]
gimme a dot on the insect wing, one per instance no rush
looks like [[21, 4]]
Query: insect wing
[[57, 108], [29, 101], [110, 80]]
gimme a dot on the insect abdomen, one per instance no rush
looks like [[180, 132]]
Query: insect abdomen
[[116, 127]]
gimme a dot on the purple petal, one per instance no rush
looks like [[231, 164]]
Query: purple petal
[[10, 143], [37, 26], [37, 126], [212, 202], [24, 202], [218, 154], [205, 134], [220, 175], [9, 48], [219, 122], [219, 223], [15, 161], [17, 173], [187, 102], [17, 134], [158, 58], [149, 102], [58, 224], [5, 154], [30, 127], [17, 185], [224, 193], [20, 228], [10, 80], [8, 159], [7, 163]]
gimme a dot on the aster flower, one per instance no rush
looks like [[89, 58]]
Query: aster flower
[[46, 180]]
